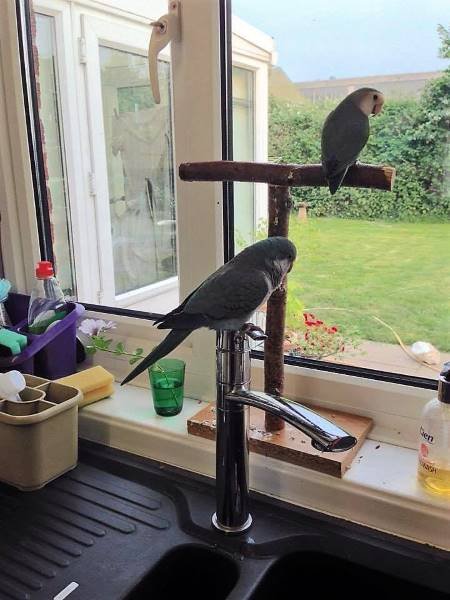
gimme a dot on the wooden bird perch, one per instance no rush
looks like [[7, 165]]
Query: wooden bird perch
[[280, 178], [360, 175]]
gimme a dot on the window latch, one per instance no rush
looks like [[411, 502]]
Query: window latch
[[166, 29]]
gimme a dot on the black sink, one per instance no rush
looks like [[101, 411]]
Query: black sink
[[334, 577], [189, 572], [126, 528]]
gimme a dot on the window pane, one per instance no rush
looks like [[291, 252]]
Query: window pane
[[372, 277], [140, 170], [52, 138]]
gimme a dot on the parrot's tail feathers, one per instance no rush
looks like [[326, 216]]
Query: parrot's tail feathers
[[335, 181], [169, 343]]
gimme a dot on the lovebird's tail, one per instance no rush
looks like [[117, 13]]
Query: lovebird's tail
[[169, 343], [334, 181]]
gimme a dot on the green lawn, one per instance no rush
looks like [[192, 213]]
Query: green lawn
[[399, 272]]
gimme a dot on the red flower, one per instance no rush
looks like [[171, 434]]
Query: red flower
[[309, 318]]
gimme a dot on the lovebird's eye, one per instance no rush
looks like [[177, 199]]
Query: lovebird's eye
[[375, 97]]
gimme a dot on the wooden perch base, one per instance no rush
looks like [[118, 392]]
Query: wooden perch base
[[291, 445], [360, 175]]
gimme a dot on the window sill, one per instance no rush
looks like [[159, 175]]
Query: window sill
[[379, 491]]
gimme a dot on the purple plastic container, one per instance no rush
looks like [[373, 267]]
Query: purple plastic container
[[50, 355]]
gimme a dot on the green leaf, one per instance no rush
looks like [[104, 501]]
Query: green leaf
[[120, 348], [101, 343], [90, 350], [133, 360], [139, 351]]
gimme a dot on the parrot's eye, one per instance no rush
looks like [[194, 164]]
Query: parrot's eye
[[375, 97]]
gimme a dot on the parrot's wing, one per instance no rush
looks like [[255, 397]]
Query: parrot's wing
[[236, 293], [160, 321], [232, 294], [344, 135]]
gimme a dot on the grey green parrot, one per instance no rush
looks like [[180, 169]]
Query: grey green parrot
[[345, 133], [227, 298]]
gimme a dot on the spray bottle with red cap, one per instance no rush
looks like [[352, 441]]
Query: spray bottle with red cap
[[47, 303]]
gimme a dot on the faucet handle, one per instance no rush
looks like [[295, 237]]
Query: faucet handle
[[253, 331]]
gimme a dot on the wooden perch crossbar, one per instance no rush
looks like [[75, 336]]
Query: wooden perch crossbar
[[360, 175]]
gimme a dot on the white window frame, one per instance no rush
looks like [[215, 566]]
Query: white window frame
[[133, 38], [79, 32], [19, 234], [195, 64], [81, 211], [256, 57]]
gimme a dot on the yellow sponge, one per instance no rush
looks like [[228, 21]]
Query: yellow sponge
[[95, 383]]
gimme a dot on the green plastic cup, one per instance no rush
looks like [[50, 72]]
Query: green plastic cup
[[167, 382]]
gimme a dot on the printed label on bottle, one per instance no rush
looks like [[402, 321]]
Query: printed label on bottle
[[427, 466], [426, 436]]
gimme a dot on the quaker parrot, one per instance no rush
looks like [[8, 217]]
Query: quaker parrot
[[345, 133], [227, 298]]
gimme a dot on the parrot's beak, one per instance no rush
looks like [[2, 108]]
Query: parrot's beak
[[377, 108]]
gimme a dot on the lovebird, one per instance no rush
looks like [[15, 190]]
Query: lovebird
[[227, 298], [345, 133]]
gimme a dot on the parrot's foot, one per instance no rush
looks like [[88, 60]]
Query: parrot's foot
[[253, 331]]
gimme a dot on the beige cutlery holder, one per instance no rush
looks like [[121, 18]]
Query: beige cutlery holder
[[38, 436]]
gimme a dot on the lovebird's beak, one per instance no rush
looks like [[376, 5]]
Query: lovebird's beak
[[377, 108]]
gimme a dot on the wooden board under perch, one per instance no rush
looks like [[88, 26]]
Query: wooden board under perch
[[290, 444]]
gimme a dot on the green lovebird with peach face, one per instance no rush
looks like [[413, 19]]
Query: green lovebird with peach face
[[345, 133]]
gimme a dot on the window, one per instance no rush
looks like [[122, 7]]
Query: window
[[373, 266], [126, 232], [88, 45], [131, 238]]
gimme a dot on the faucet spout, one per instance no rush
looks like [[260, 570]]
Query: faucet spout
[[325, 435], [233, 398]]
